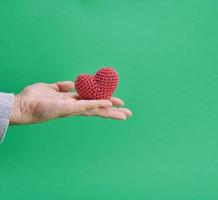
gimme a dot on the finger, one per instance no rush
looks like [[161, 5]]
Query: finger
[[82, 106], [62, 86], [107, 113], [126, 111], [116, 101]]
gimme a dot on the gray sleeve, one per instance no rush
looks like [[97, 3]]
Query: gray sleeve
[[6, 104]]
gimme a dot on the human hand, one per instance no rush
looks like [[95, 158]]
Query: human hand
[[42, 101]]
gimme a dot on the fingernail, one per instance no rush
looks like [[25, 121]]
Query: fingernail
[[130, 113]]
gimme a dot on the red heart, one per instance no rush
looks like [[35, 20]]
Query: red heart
[[98, 86]]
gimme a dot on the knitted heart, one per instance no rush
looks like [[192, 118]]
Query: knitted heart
[[98, 86]]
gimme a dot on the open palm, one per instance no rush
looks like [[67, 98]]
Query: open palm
[[42, 101]]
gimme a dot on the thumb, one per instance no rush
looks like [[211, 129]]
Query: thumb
[[62, 86]]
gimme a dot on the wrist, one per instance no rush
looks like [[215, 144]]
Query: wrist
[[15, 111]]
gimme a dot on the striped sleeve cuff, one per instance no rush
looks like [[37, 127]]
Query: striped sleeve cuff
[[6, 104]]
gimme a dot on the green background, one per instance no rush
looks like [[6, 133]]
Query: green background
[[165, 52]]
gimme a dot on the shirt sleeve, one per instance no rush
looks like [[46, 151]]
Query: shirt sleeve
[[6, 104]]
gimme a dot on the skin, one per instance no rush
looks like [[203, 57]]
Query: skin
[[42, 101]]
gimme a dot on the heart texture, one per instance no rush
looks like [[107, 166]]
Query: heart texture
[[99, 86]]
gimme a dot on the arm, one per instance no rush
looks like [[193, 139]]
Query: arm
[[41, 102], [6, 104]]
